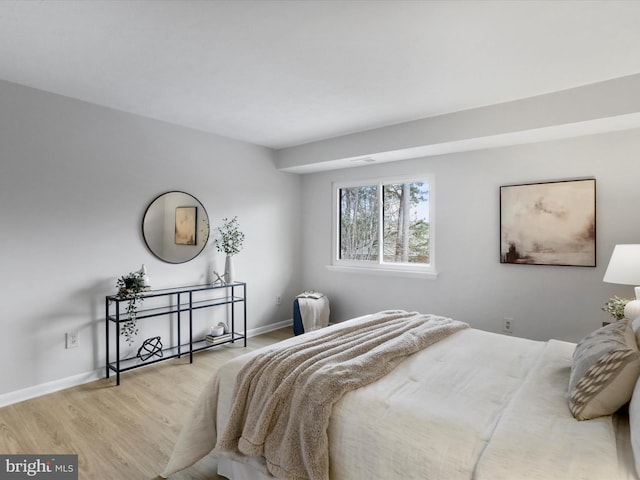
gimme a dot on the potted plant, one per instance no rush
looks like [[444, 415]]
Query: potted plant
[[615, 307], [229, 242], [130, 287]]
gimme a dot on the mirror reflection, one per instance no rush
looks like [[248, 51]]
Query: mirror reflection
[[175, 227]]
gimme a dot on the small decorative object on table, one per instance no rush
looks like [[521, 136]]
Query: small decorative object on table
[[219, 279], [615, 307], [130, 287], [216, 331], [151, 347], [229, 242], [146, 283], [218, 334], [214, 339]]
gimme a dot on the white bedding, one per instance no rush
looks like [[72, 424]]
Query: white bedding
[[476, 405]]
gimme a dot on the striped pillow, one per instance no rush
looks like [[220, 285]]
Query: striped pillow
[[606, 365]]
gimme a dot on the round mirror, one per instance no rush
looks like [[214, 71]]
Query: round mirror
[[175, 227]]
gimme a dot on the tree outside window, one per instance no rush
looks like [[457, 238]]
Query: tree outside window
[[386, 223]]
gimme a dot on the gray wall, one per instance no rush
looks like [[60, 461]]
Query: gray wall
[[75, 180], [545, 301]]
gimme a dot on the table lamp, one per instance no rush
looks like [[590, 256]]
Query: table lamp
[[624, 268]]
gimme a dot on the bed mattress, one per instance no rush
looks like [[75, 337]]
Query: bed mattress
[[476, 405]]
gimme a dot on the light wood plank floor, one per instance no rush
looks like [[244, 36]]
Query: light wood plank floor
[[125, 432]]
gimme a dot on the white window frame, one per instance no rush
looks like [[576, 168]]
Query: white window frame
[[378, 267]]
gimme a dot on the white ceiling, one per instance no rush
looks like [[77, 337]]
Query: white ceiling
[[284, 73]]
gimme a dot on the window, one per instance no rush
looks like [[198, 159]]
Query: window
[[385, 225]]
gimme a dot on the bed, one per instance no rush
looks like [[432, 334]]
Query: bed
[[471, 405]]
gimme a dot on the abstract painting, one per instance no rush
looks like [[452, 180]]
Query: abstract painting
[[551, 223]]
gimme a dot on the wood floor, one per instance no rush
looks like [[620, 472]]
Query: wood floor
[[121, 432]]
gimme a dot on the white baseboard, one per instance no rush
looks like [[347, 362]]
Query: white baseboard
[[49, 387], [270, 328], [82, 378]]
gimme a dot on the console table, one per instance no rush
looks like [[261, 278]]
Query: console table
[[181, 302]]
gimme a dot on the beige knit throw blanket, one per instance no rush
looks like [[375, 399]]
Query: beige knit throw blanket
[[283, 398]]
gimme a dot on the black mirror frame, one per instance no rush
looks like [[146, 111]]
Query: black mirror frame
[[201, 216]]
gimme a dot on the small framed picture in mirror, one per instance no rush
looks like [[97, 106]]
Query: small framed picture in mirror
[[186, 225]]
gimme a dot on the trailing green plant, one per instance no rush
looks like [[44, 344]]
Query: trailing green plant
[[231, 238], [615, 307], [130, 287]]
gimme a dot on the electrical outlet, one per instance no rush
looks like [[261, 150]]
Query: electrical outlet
[[73, 340], [278, 300], [507, 325]]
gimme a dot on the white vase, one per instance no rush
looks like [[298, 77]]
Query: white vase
[[229, 275], [146, 283]]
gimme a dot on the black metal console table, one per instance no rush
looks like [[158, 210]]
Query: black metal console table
[[181, 301]]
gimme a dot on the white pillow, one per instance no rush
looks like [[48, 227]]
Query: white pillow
[[606, 365]]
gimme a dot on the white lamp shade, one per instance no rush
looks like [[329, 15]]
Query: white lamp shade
[[624, 266]]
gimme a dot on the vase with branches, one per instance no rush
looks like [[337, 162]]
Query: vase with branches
[[230, 243]]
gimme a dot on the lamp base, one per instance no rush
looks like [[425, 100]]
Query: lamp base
[[632, 308]]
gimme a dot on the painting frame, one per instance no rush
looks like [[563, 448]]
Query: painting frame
[[549, 223], [185, 225]]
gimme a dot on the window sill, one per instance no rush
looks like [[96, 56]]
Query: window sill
[[386, 271]]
